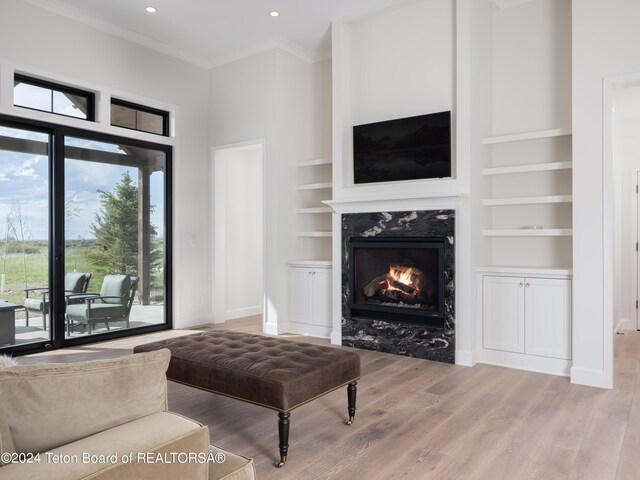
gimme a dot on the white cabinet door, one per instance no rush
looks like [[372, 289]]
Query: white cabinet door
[[301, 295], [503, 313], [548, 317], [322, 297]]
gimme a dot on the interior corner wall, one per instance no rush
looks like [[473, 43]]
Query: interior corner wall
[[282, 99], [40, 39], [605, 39]]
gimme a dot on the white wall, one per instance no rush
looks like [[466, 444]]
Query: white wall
[[395, 63], [42, 42], [532, 67], [238, 228], [283, 100], [605, 39]]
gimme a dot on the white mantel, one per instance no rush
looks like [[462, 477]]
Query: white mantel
[[428, 201]]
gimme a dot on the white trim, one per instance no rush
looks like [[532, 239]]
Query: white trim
[[534, 167], [191, 322], [635, 238], [309, 330], [134, 37], [437, 201], [242, 312], [606, 375]]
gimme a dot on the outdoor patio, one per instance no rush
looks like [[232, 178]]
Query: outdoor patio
[[141, 315]]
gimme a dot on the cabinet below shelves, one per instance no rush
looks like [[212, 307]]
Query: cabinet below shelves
[[310, 298], [526, 320]]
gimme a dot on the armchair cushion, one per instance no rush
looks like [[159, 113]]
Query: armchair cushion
[[74, 282], [98, 310], [36, 304], [116, 289], [49, 405]]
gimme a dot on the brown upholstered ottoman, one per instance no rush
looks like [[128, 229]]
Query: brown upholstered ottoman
[[277, 374]]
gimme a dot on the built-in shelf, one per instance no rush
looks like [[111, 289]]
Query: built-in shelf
[[314, 186], [317, 161], [536, 167], [518, 137], [520, 232], [313, 234], [315, 210], [528, 200]]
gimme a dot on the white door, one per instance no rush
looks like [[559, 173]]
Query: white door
[[548, 317], [503, 313]]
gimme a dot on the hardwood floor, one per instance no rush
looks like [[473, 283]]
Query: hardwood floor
[[424, 420]]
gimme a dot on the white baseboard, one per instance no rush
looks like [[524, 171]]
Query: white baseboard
[[242, 312], [589, 377], [520, 361], [466, 358], [625, 324], [309, 330], [191, 322], [336, 337], [271, 328]]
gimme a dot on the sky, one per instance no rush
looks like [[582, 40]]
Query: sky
[[24, 180]]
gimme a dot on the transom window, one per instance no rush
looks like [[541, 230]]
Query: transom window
[[138, 117], [54, 98]]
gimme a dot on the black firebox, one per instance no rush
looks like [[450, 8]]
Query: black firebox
[[398, 279]]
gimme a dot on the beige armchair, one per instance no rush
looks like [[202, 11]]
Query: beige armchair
[[104, 419]]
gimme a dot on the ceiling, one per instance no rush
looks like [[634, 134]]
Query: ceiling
[[210, 31]]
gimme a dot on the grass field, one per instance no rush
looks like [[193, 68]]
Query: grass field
[[36, 262]]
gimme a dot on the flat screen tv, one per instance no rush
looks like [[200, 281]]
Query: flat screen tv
[[403, 149]]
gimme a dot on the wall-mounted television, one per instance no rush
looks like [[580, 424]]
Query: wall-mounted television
[[410, 148]]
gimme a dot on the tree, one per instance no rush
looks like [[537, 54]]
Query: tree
[[115, 227]]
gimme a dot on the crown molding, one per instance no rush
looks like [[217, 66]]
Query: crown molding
[[502, 4], [273, 44], [148, 42]]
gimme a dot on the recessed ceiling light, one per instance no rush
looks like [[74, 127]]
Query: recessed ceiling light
[[151, 9], [274, 14]]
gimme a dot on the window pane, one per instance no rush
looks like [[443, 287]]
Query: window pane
[[70, 105], [24, 237], [30, 96], [123, 116], [114, 200], [150, 122]]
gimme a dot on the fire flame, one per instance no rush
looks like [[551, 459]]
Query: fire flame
[[403, 275]]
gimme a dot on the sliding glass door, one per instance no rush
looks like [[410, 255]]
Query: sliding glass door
[[24, 236], [114, 235], [84, 236]]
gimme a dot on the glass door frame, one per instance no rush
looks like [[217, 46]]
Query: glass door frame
[[57, 234]]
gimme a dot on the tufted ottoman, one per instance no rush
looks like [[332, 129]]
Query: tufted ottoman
[[274, 373]]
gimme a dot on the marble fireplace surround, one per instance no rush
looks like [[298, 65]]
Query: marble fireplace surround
[[362, 218]]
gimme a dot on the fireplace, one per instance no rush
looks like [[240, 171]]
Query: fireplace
[[407, 323], [398, 279]]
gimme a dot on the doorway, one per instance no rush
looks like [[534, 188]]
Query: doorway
[[238, 230]]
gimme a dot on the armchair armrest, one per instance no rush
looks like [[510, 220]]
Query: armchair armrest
[[44, 290]]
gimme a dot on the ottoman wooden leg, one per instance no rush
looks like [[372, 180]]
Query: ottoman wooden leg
[[283, 433], [352, 389]]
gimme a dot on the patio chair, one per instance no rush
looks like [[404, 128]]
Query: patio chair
[[74, 283], [112, 304]]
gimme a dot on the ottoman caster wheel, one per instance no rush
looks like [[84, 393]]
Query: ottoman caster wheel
[[282, 461], [350, 421]]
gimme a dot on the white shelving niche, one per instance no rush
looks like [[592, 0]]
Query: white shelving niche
[[313, 218], [528, 198]]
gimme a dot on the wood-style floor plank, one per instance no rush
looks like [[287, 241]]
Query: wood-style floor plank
[[424, 420]]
